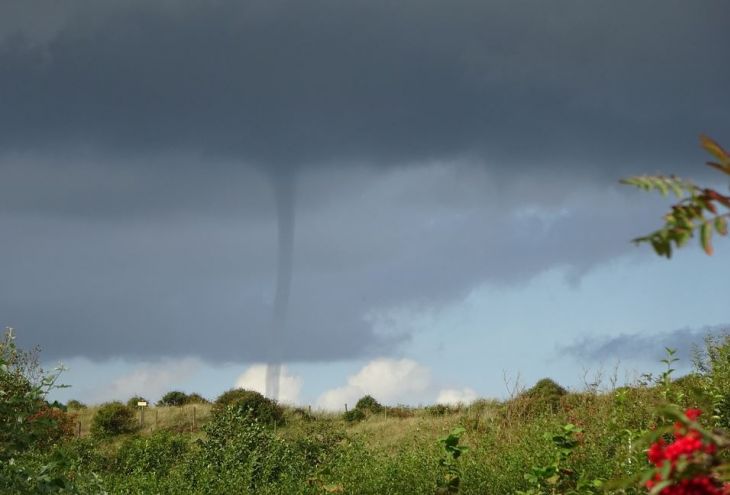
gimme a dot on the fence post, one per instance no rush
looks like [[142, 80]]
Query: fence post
[[345, 406], [157, 414], [78, 428], [194, 425]]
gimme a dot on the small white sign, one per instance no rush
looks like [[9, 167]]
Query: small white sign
[[142, 403]]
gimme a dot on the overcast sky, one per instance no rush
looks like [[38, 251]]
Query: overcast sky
[[449, 160]]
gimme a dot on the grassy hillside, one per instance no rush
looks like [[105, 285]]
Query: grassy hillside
[[544, 440], [395, 451]]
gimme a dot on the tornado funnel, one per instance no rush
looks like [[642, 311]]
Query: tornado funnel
[[284, 187]]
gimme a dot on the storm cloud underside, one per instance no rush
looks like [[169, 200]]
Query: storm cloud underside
[[137, 143]]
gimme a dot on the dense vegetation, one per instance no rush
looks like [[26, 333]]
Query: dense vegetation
[[542, 440]]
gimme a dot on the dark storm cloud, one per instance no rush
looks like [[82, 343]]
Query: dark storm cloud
[[195, 281], [138, 140], [643, 347], [278, 82]]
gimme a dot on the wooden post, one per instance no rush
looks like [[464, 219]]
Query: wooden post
[[345, 407], [385, 412], [193, 417], [157, 413], [78, 429], [141, 417]]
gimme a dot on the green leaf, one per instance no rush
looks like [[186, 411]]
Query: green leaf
[[722, 168], [676, 188], [715, 149], [706, 237], [721, 225], [659, 487], [665, 470]]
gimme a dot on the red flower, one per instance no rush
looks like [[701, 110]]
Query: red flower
[[688, 444], [692, 414]]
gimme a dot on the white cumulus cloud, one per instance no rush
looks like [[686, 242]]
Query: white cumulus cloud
[[454, 396], [388, 380], [254, 378]]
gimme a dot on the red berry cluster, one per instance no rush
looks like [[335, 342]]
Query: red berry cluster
[[689, 445]]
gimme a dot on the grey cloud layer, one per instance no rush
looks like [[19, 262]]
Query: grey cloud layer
[[643, 347], [202, 283], [283, 83], [436, 145]]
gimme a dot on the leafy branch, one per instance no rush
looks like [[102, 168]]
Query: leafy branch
[[698, 209]]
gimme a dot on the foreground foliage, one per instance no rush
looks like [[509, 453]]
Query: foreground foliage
[[700, 209]]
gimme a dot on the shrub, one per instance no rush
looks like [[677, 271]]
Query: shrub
[[712, 372], [252, 403], [27, 424], [242, 455], [132, 402], [56, 405], [440, 410], [400, 411], [298, 413], [155, 454], [52, 425], [75, 405], [197, 399], [112, 418], [369, 404], [174, 398], [545, 395], [23, 387], [318, 442], [353, 415]]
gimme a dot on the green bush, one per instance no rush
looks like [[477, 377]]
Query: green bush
[[132, 402], [440, 410], [197, 399], [112, 418], [318, 442], [28, 426], [353, 415], [174, 398], [712, 375], [299, 413], [155, 454], [26, 420], [400, 411], [249, 402], [545, 395], [242, 455], [57, 405], [369, 404], [75, 405]]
